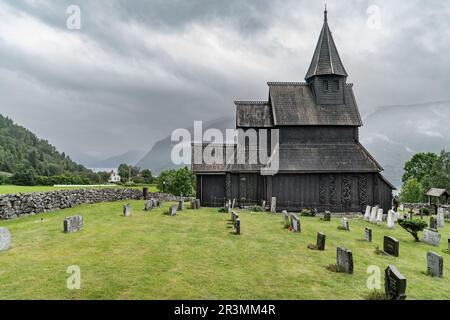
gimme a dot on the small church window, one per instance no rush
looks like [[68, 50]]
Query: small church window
[[325, 85], [336, 85]]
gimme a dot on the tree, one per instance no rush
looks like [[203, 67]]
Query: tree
[[183, 183], [165, 179], [439, 176], [147, 176], [413, 227], [412, 192], [124, 172], [24, 178], [419, 166]]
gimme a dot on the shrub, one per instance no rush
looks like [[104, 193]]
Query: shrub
[[425, 211], [413, 227], [376, 295], [256, 209], [306, 213], [25, 178]]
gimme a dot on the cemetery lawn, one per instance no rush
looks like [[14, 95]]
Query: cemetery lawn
[[195, 255]]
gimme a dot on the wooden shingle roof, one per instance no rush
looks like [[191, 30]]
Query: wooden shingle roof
[[294, 104], [435, 192], [253, 114], [326, 60]]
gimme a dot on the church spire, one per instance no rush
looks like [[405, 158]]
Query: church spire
[[326, 60]]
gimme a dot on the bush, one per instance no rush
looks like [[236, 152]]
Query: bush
[[256, 209], [425, 211], [308, 213], [413, 227], [25, 178]]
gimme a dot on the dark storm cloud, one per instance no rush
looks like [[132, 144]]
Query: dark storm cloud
[[137, 69]]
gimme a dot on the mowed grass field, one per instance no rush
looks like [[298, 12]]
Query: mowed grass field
[[9, 189], [195, 255]]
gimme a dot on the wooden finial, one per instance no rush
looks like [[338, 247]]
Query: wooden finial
[[325, 13]]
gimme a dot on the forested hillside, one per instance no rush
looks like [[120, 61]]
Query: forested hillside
[[21, 150]]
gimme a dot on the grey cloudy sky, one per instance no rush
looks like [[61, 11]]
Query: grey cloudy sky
[[138, 69]]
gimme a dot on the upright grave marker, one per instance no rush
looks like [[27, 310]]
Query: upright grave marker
[[127, 210], [368, 234], [379, 216], [345, 224], [145, 193], [181, 205], [5, 239], [391, 246], [238, 226], [373, 214], [73, 224], [173, 210], [391, 219], [394, 284], [320, 242], [263, 205], [344, 260], [431, 237], [273, 205], [435, 264], [441, 218], [327, 216], [295, 223], [367, 214], [286, 219], [433, 223], [148, 205]]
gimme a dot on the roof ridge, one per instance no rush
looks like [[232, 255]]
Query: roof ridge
[[255, 102], [287, 83]]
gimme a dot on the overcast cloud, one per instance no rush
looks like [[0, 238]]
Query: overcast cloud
[[138, 69]]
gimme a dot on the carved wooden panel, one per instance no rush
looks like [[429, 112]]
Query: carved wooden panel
[[346, 190], [228, 186], [363, 182], [323, 189], [332, 189]]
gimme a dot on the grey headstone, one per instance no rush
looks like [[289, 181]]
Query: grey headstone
[[391, 246], [180, 205], [263, 205], [173, 210], [367, 213], [435, 264], [238, 226], [441, 218], [285, 218], [327, 216], [127, 210], [233, 203], [148, 205], [391, 219], [198, 204], [236, 218], [379, 216], [5, 239], [73, 224], [344, 260], [431, 237], [273, 205], [373, 214], [295, 223], [321, 241], [368, 234], [345, 224], [394, 284], [433, 223]]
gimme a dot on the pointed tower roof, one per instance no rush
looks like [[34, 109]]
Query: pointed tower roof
[[326, 60]]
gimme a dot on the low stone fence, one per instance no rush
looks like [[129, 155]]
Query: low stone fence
[[23, 204]]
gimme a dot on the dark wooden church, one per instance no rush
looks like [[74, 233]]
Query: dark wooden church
[[321, 161]]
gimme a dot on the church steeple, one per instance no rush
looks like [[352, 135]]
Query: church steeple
[[326, 60]]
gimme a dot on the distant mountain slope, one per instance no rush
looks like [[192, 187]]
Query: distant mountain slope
[[158, 158], [21, 150], [130, 157], [393, 134]]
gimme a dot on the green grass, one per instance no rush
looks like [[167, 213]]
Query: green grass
[[195, 255], [10, 189]]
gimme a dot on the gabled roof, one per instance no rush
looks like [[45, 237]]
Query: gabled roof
[[253, 114], [326, 60], [294, 104], [435, 192]]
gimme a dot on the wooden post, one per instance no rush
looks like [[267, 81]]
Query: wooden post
[[145, 193]]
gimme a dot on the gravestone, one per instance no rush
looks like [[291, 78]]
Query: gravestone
[[448, 241], [236, 217], [394, 284], [73, 224], [368, 234], [431, 237], [273, 205], [435, 264], [367, 214], [402, 207], [433, 223], [180, 205], [5, 239], [373, 214], [379, 216], [238, 226], [197, 204], [148, 205], [285, 218], [344, 260], [127, 210], [145, 193], [295, 223], [327, 216], [173, 210], [232, 216], [159, 203], [441, 218], [345, 224], [321, 241], [391, 246], [391, 219], [263, 205], [233, 203]]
